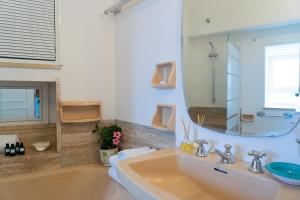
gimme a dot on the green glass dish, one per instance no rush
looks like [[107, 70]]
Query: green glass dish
[[283, 169]]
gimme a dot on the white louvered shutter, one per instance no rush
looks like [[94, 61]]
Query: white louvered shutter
[[27, 29]]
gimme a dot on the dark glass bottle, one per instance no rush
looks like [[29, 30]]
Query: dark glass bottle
[[7, 150], [12, 150], [17, 148], [22, 149]]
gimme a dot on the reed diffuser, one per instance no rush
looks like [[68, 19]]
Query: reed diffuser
[[186, 145], [200, 120]]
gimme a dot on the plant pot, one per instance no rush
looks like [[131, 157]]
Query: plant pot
[[106, 154]]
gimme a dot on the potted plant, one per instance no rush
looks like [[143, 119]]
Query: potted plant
[[109, 139]]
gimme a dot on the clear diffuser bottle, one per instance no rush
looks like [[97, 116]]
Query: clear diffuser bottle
[[186, 145]]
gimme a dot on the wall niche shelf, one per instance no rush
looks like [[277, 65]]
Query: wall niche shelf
[[80, 111], [165, 75], [247, 118], [165, 117]]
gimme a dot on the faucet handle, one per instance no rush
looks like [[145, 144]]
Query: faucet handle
[[201, 142], [201, 152], [227, 156], [257, 154], [227, 147], [256, 166]]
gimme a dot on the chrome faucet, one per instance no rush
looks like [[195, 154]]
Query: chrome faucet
[[201, 152], [256, 166], [227, 156]]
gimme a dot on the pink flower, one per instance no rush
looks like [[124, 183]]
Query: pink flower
[[117, 135], [116, 141]]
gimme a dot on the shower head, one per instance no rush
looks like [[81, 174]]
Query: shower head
[[213, 53], [117, 8], [211, 45]]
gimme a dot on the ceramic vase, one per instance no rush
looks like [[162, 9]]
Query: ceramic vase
[[106, 154]]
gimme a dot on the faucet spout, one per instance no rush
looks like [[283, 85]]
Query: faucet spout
[[221, 154], [227, 156]]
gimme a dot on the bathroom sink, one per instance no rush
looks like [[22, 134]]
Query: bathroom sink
[[171, 174]]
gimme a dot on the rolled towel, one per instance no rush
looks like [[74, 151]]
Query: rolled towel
[[11, 139], [112, 172], [132, 152], [113, 161]]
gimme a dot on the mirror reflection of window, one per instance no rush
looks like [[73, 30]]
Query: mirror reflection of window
[[20, 104], [281, 75], [37, 104]]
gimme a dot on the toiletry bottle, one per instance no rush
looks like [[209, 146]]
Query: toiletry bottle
[[7, 150], [12, 150], [22, 149], [186, 145], [17, 148]]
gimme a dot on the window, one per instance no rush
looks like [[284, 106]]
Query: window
[[282, 75], [23, 104], [27, 29]]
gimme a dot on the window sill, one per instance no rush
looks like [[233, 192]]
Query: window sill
[[279, 109], [30, 65]]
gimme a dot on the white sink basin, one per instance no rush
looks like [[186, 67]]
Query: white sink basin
[[170, 174]]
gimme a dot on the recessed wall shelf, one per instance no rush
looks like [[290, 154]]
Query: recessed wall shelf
[[248, 118], [80, 111], [165, 75], [165, 117]]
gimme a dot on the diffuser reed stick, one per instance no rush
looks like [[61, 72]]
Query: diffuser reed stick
[[200, 120], [186, 145]]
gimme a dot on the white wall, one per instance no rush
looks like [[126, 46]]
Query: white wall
[[238, 14], [86, 41], [150, 33], [88, 53], [146, 34]]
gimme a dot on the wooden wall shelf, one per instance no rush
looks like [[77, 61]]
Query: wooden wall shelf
[[80, 111], [165, 75], [165, 117]]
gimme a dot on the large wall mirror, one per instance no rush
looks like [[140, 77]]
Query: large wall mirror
[[241, 65]]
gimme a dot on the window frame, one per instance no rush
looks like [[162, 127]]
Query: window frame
[[44, 102]]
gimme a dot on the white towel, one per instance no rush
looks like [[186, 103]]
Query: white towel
[[112, 172], [132, 152], [113, 161]]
